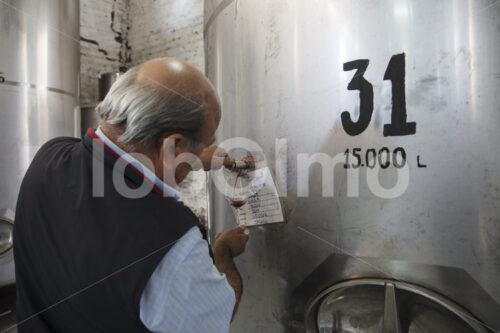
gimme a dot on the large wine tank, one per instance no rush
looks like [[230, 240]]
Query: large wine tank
[[380, 120], [39, 66]]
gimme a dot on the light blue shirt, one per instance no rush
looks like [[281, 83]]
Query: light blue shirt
[[186, 292]]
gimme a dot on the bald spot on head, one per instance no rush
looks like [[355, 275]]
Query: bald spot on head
[[174, 75], [180, 77]]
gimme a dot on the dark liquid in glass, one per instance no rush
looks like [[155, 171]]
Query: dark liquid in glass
[[237, 203]]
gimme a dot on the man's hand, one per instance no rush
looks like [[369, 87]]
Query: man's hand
[[228, 245], [214, 157], [233, 240]]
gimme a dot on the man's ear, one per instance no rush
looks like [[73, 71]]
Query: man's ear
[[173, 144], [170, 147]]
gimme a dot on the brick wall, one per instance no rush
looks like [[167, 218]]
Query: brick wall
[[167, 28], [103, 42], [124, 33]]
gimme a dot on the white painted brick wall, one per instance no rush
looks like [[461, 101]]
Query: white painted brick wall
[[158, 28]]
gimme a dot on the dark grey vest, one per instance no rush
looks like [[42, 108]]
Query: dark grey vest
[[82, 262]]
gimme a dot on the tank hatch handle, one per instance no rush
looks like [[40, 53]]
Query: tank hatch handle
[[391, 318]]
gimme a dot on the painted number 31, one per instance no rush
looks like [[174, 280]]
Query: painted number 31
[[395, 73]]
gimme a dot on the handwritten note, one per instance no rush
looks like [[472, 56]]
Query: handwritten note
[[263, 206]]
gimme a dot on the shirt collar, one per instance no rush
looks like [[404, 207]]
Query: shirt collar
[[167, 190]]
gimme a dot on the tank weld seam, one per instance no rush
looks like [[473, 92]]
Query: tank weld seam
[[34, 86]]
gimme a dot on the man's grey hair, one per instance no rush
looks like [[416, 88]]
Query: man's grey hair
[[147, 113]]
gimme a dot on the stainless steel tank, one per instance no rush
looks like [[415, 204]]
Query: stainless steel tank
[[106, 80], [402, 99], [89, 118], [39, 69]]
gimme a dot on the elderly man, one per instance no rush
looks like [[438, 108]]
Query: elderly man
[[101, 242]]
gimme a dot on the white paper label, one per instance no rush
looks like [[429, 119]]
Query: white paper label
[[264, 206]]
